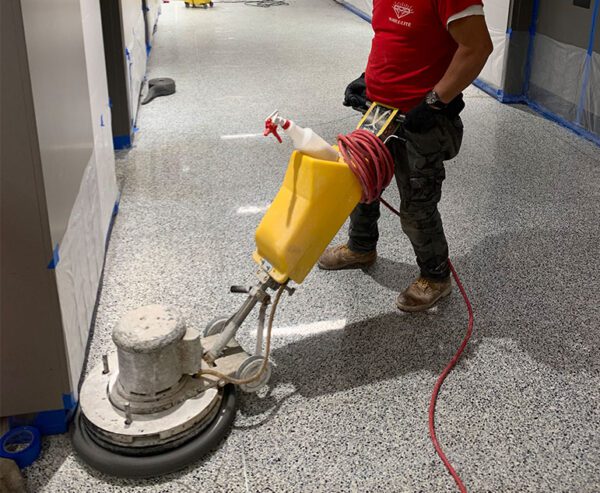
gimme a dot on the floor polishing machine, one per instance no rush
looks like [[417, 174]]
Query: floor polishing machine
[[167, 395]]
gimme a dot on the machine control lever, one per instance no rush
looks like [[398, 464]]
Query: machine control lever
[[240, 289]]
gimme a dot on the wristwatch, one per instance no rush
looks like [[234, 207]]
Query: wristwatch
[[433, 100]]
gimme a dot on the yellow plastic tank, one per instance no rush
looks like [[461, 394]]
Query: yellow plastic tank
[[314, 201]]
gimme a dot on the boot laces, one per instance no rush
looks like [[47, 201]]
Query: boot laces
[[423, 284]]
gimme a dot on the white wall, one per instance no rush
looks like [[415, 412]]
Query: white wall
[[66, 59]]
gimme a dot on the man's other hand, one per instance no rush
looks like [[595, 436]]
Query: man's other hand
[[356, 93]]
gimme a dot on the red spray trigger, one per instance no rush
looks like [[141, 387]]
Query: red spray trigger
[[271, 127]]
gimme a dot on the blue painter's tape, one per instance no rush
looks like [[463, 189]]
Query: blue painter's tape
[[136, 130], [116, 206], [498, 94], [529, 60], [112, 223], [21, 444], [593, 30], [127, 54], [122, 141], [69, 401], [51, 422], [509, 32], [148, 49], [513, 98], [564, 123], [55, 258], [356, 11], [534, 17], [109, 103], [489, 89], [584, 85]]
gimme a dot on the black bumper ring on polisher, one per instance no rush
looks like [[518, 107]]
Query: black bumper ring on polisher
[[131, 466]]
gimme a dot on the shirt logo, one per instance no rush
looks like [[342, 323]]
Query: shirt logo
[[401, 10]]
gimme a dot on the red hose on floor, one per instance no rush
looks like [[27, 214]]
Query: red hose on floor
[[372, 163]]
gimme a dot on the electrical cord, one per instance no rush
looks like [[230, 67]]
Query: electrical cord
[[258, 3], [223, 379], [265, 3], [373, 165]]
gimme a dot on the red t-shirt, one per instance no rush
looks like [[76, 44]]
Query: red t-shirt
[[411, 49]]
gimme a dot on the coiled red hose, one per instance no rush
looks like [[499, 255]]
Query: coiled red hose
[[373, 165], [370, 160]]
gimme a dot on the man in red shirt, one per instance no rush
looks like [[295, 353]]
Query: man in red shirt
[[423, 55]]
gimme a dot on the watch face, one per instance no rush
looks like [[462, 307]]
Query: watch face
[[431, 98]]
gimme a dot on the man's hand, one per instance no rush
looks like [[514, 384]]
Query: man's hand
[[421, 118], [356, 93], [474, 47]]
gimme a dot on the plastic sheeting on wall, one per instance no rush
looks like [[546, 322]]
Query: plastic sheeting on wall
[[83, 245], [556, 75], [590, 115], [496, 17], [135, 50], [153, 11], [100, 109], [78, 271], [134, 34], [493, 71]]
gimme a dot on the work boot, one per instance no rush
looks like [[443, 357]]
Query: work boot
[[341, 257], [423, 294]]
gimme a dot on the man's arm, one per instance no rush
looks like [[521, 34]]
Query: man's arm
[[474, 48]]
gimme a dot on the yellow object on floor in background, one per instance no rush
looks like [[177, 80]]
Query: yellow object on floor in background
[[314, 201], [199, 3]]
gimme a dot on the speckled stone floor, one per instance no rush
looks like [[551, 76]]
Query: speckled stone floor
[[347, 407]]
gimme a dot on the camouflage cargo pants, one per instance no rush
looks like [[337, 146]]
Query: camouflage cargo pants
[[419, 161]]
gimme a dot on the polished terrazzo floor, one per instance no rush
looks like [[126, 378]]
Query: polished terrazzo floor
[[346, 410]]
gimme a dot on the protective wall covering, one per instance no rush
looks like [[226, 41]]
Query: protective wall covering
[[134, 32], [497, 17], [73, 121], [81, 251], [152, 9], [590, 116], [556, 76], [564, 77]]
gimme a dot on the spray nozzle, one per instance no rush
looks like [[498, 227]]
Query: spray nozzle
[[271, 125]]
